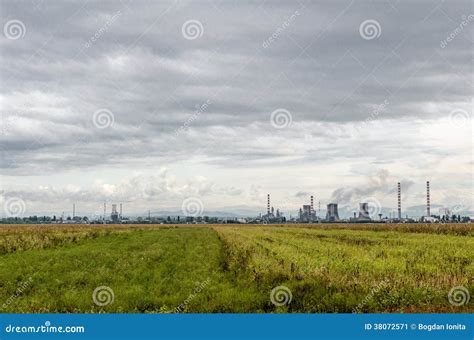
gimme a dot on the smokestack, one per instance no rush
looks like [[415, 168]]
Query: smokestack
[[428, 213], [399, 202], [312, 205], [73, 210], [104, 212], [120, 210], [268, 204]]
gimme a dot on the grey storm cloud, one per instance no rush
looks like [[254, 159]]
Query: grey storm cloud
[[138, 62], [301, 194], [381, 183]]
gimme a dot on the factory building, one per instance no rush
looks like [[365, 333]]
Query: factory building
[[271, 215], [307, 214], [114, 216]]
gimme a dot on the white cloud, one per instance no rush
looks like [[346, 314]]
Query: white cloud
[[152, 79]]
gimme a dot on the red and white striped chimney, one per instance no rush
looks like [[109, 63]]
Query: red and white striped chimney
[[428, 212], [399, 201], [268, 204]]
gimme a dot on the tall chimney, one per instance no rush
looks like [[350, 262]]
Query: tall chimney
[[268, 204], [104, 213], [399, 202], [428, 213], [73, 210], [120, 210], [312, 205]]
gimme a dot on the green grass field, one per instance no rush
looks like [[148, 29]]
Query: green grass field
[[160, 269]]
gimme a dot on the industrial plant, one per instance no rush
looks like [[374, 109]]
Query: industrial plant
[[271, 216], [368, 212]]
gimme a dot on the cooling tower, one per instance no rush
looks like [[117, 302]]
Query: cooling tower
[[364, 211], [332, 215]]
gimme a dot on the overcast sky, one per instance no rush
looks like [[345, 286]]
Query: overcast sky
[[150, 104]]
